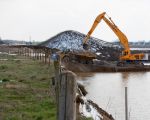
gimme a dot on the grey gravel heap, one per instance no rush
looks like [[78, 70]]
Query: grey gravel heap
[[72, 40]]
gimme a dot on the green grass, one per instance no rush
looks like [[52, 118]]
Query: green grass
[[25, 92]]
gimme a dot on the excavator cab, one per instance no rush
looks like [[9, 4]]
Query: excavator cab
[[124, 53]]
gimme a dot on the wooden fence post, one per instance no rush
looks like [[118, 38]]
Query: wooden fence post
[[49, 61], [66, 88], [67, 96], [40, 54], [45, 57], [57, 74]]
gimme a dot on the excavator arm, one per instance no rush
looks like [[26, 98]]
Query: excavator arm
[[97, 20], [121, 36]]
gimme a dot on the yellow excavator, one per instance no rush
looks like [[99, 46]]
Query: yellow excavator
[[126, 53]]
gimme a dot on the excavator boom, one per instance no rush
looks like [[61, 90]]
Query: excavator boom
[[97, 20]]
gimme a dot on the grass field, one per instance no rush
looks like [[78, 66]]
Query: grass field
[[25, 90]]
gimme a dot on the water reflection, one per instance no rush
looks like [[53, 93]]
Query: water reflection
[[107, 89], [125, 76], [85, 75]]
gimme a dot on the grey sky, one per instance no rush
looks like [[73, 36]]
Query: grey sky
[[44, 18]]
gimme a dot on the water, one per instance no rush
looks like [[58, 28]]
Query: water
[[108, 89]]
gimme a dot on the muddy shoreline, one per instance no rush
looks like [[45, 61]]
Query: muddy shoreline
[[78, 67]]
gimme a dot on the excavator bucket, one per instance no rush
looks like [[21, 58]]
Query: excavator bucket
[[86, 46]]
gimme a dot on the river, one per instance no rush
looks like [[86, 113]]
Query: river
[[108, 91]]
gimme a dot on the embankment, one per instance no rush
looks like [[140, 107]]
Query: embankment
[[78, 67]]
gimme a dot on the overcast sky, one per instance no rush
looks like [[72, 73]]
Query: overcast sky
[[42, 19]]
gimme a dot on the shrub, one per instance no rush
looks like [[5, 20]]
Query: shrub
[[5, 80], [3, 67]]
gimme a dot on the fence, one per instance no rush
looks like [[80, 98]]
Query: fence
[[34, 52]]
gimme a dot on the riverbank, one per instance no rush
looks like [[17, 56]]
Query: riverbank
[[78, 67]]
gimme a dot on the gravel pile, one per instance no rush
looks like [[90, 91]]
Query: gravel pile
[[72, 40]]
